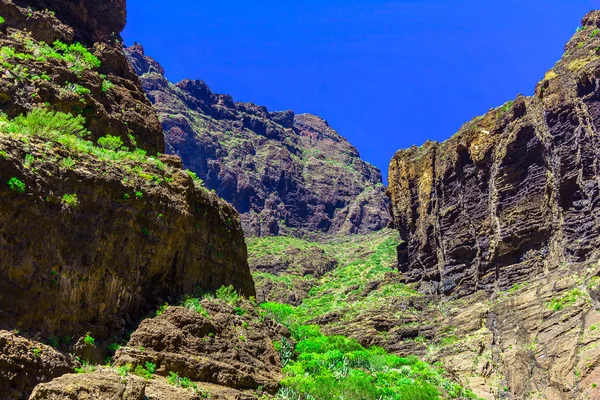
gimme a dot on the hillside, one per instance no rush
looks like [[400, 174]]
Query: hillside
[[286, 174]]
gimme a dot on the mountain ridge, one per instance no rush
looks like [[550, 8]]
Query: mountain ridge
[[284, 173]]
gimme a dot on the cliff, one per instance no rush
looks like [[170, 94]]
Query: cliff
[[514, 193], [96, 228], [284, 173], [43, 65]]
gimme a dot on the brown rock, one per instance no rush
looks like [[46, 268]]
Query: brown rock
[[128, 243], [512, 191], [286, 174], [25, 363], [114, 104], [223, 348]]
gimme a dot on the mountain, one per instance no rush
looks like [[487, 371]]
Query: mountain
[[502, 219], [96, 228], [284, 173]]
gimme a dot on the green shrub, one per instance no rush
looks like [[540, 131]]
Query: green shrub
[[89, 340], [280, 313], [124, 370], [16, 185], [559, 303], [110, 142], [146, 371], [85, 368], [70, 200], [194, 304], [227, 294], [77, 56], [48, 124], [1, 20], [161, 310], [107, 85]]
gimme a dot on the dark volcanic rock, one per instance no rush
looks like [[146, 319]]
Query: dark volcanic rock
[[220, 346], [109, 96], [126, 246], [135, 231], [285, 173], [513, 192], [25, 363]]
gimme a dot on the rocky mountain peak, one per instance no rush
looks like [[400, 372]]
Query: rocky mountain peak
[[285, 173]]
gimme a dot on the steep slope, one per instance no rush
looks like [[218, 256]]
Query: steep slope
[[500, 237], [284, 173], [512, 194], [42, 65], [96, 228]]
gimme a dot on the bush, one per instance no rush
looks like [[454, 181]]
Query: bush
[[1, 20], [16, 185], [70, 200], [77, 56], [89, 340], [228, 295], [194, 304], [48, 124], [110, 142]]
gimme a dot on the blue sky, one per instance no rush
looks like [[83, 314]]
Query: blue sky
[[385, 74]]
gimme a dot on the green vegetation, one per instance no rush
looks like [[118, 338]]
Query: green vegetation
[[146, 371], [161, 310], [570, 298], [89, 340], [107, 85], [36, 351], [227, 294], [16, 185], [110, 142], [505, 107], [194, 304], [1, 20], [69, 132], [70, 200], [185, 383], [336, 367], [46, 124], [85, 368], [595, 32]]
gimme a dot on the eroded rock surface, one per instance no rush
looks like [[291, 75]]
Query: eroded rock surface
[[122, 246], [108, 95], [25, 363], [221, 345], [284, 173], [513, 192]]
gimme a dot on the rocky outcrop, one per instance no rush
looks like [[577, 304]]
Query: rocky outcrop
[[25, 363], [128, 236], [94, 80], [284, 173], [221, 345], [288, 276], [514, 193]]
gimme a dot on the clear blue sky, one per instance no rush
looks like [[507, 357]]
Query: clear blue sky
[[385, 74]]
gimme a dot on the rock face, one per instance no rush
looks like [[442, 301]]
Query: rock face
[[94, 238], [125, 245], [106, 91], [284, 173], [514, 193], [222, 346], [24, 364]]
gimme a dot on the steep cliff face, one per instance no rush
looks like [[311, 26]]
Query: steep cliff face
[[512, 194], [93, 235], [94, 80], [284, 173]]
